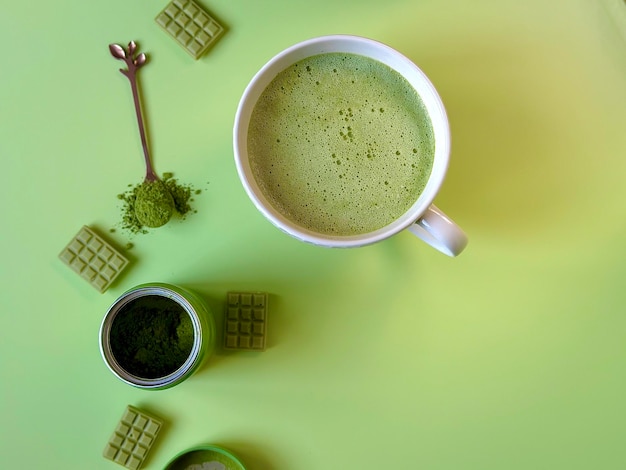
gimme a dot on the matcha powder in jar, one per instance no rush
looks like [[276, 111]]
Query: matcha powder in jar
[[156, 335], [151, 336]]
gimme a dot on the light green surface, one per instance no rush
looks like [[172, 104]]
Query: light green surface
[[512, 356]]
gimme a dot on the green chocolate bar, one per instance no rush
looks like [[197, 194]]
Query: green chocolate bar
[[133, 438], [93, 258], [190, 25], [245, 322]]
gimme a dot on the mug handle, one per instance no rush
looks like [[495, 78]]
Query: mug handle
[[439, 231]]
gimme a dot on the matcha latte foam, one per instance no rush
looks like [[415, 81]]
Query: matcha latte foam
[[340, 144]]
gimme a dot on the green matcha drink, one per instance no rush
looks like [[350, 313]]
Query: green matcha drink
[[340, 144]]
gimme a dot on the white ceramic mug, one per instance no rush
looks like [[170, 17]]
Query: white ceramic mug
[[423, 218]]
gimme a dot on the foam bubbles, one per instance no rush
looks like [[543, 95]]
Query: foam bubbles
[[339, 105]]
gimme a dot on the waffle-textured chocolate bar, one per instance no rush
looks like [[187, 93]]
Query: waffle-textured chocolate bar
[[245, 325], [190, 26], [133, 438], [89, 255]]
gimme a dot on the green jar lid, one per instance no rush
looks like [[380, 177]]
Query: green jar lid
[[205, 457]]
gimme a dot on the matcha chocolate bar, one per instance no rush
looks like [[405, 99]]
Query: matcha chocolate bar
[[190, 26], [93, 258], [245, 322], [133, 438]]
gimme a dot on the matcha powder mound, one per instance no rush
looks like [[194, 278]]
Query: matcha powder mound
[[181, 194], [154, 204]]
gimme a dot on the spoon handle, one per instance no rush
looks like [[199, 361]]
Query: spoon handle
[[133, 64]]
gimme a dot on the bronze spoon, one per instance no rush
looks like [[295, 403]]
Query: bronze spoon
[[154, 204]]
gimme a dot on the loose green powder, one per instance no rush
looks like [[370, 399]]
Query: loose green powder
[[181, 194], [151, 336]]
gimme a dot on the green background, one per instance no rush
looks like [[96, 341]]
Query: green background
[[511, 356]]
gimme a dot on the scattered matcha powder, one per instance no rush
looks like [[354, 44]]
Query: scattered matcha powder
[[181, 194]]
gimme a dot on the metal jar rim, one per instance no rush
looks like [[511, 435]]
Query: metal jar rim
[[161, 382]]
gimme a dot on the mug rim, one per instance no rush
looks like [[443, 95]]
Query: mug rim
[[342, 43]]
